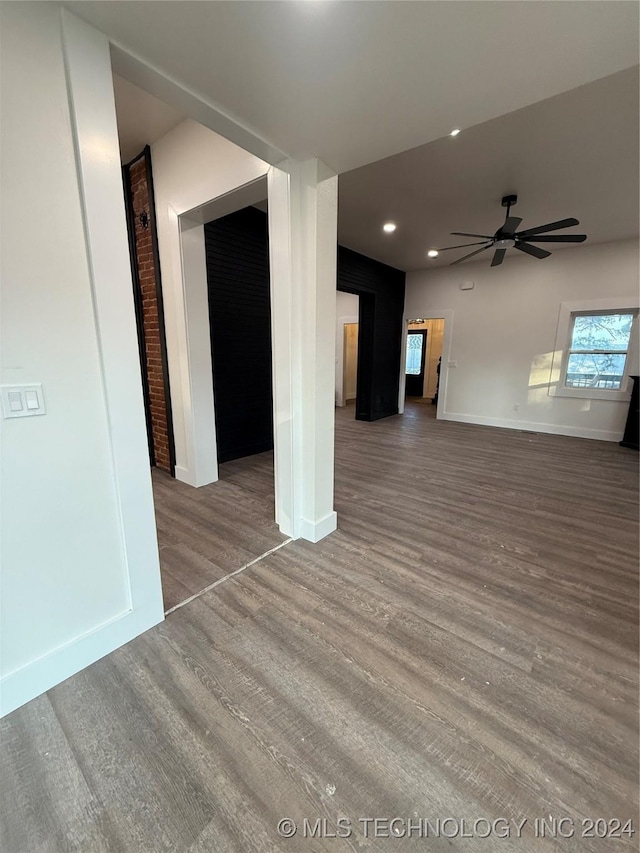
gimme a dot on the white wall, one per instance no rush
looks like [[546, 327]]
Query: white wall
[[347, 307], [503, 335], [303, 222], [71, 589], [191, 166]]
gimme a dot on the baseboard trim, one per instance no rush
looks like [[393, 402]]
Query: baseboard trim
[[183, 474], [186, 475], [531, 426], [314, 531], [31, 680]]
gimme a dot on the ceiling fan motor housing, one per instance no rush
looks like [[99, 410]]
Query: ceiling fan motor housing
[[508, 237]]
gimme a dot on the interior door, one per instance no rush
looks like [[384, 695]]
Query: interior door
[[416, 352]]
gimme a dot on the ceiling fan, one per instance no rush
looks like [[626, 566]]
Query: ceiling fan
[[506, 237]]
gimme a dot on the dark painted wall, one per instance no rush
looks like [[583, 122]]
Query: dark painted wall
[[237, 252], [381, 292]]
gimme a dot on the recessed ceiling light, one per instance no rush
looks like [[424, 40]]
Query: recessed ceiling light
[[432, 253], [389, 227], [455, 131]]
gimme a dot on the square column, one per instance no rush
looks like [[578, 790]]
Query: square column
[[303, 216]]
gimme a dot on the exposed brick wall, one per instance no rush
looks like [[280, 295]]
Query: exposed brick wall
[[151, 319]]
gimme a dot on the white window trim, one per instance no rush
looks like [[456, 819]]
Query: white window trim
[[561, 349]]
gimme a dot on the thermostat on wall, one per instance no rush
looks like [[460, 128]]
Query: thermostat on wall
[[467, 285]]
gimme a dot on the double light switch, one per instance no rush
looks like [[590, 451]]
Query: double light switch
[[22, 401]]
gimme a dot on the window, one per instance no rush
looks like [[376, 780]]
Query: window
[[415, 359], [597, 351]]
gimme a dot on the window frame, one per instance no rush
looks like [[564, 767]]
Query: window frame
[[568, 312]]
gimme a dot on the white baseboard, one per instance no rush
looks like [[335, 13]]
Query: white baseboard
[[38, 676], [186, 475], [183, 474], [314, 531], [531, 426]]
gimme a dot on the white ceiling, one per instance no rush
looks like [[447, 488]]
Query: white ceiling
[[574, 155], [142, 119], [352, 82]]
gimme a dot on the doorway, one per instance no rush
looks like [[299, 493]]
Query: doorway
[[425, 344], [348, 342], [350, 349]]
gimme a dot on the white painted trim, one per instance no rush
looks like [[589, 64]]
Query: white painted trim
[[40, 675], [532, 426], [148, 77], [286, 449], [245, 195], [561, 349], [96, 143], [302, 256], [94, 131], [197, 367], [197, 377], [314, 531], [183, 475], [445, 314]]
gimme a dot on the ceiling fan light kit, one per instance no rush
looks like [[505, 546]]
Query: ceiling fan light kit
[[507, 237]]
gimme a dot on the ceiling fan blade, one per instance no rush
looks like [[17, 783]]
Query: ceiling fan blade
[[551, 226], [536, 251], [498, 257], [556, 238], [464, 258], [511, 223], [464, 234], [463, 246]]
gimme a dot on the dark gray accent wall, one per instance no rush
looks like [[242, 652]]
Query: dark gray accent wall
[[237, 251], [381, 291]]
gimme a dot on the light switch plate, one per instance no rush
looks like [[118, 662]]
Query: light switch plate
[[22, 401]]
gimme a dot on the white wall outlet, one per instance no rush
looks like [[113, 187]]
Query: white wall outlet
[[467, 285], [516, 407], [22, 401], [452, 364]]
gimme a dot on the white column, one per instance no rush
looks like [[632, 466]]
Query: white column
[[303, 247]]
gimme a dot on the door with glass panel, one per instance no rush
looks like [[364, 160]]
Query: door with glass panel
[[416, 351]]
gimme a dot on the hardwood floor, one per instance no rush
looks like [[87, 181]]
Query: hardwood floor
[[206, 533], [465, 646]]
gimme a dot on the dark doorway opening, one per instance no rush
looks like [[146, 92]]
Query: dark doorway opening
[[381, 291]]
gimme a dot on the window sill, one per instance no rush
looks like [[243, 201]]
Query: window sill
[[621, 396]]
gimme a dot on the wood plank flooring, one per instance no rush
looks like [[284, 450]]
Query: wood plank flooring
[[206, 533], [465, 646]]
